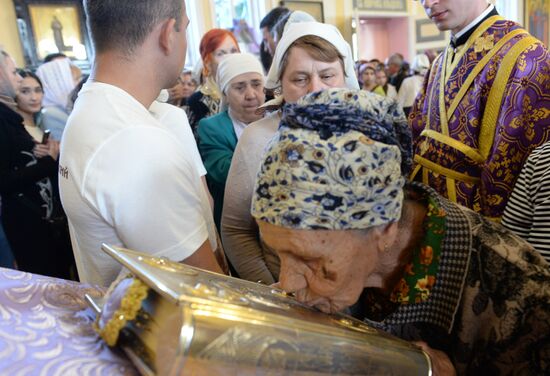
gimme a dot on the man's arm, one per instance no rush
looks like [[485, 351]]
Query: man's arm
[[204, 258]]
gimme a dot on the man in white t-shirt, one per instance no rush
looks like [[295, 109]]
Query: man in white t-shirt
[[130, 175]]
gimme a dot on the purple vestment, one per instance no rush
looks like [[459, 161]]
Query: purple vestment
[[496, 109]]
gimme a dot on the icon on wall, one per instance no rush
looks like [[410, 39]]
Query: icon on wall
[[57, 28], [537, 19], [47, 27]]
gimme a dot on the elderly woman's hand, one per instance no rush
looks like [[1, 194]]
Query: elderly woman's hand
[[441, 364]]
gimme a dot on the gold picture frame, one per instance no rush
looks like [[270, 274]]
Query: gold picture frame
[[537, 19], [314, 8], [47, 27], [56, 28]]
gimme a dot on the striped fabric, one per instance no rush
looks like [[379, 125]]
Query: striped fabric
[[528, 211]]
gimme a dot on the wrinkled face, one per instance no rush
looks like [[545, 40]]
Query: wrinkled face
[[381, 78], [244, 95], [368, 76], [453, 15], [228, 46], [13, 79], [304, 75], [187, 84], [29, 96], [326, 269]]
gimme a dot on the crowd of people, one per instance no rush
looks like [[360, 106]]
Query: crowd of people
[[415, 196]]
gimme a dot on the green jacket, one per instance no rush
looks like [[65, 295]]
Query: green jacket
[[217, 142]]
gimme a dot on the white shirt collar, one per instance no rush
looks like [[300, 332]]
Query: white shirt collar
[[474, 22], [238, 125]]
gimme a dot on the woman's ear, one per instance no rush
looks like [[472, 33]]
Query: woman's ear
[[386, 235]]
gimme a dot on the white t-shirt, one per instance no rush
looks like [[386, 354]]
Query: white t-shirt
[[130, 177], [409, 89]]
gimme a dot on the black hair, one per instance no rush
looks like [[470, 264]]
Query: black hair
[[272, 17], [123, 25], [53, 56], [27, 73]]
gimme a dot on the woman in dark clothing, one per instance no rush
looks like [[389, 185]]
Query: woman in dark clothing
[[32, 216]]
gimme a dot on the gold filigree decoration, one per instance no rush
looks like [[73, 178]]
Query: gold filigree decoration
[[127, 311]]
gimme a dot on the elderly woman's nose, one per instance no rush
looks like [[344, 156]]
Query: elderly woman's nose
[[250, 92], [290, 281], [316, 84]]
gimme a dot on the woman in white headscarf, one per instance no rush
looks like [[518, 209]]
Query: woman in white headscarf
[[240, 78], [59, 78], [412, 85], [309, 57]]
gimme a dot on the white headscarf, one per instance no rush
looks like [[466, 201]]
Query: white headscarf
[[234, 65], [58, 82], [421, 64], [327, 32]]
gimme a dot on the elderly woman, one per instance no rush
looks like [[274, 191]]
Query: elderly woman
[[205, 102], [330, 200], [59, 77], [309, 57], [411, 86], [241, 80]]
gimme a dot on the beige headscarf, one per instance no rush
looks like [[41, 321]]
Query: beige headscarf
[[7, 91]]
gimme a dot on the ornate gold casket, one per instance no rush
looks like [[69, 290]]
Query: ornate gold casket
[[173, 319]]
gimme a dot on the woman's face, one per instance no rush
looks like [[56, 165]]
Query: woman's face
[[368, 76], [244, 95], [29, 96], [381, 78], [228, 46], [326, 269], [304, 75], [188, 86]]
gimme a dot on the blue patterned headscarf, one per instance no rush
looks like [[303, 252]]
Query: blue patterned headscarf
[[335, 163]]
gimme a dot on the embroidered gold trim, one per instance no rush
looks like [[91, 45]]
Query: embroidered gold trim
[[451, 189], [443, 81], [127, 311], [425, 176], [429, 165], [472, 39], [496, 94], [433, 73], [470, 152], [478, 68]]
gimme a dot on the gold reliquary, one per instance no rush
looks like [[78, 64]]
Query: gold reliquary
[[173, 319]]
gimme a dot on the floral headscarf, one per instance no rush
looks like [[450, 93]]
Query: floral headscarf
[[334, 164]]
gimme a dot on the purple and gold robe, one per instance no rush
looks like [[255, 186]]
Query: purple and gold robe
[[482, 109]]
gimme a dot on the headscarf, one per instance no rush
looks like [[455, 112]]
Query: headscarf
[[335, 163], [327, 32], [421, 64], [288, 19], [233, 65], [58, 82], [7, 91]]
